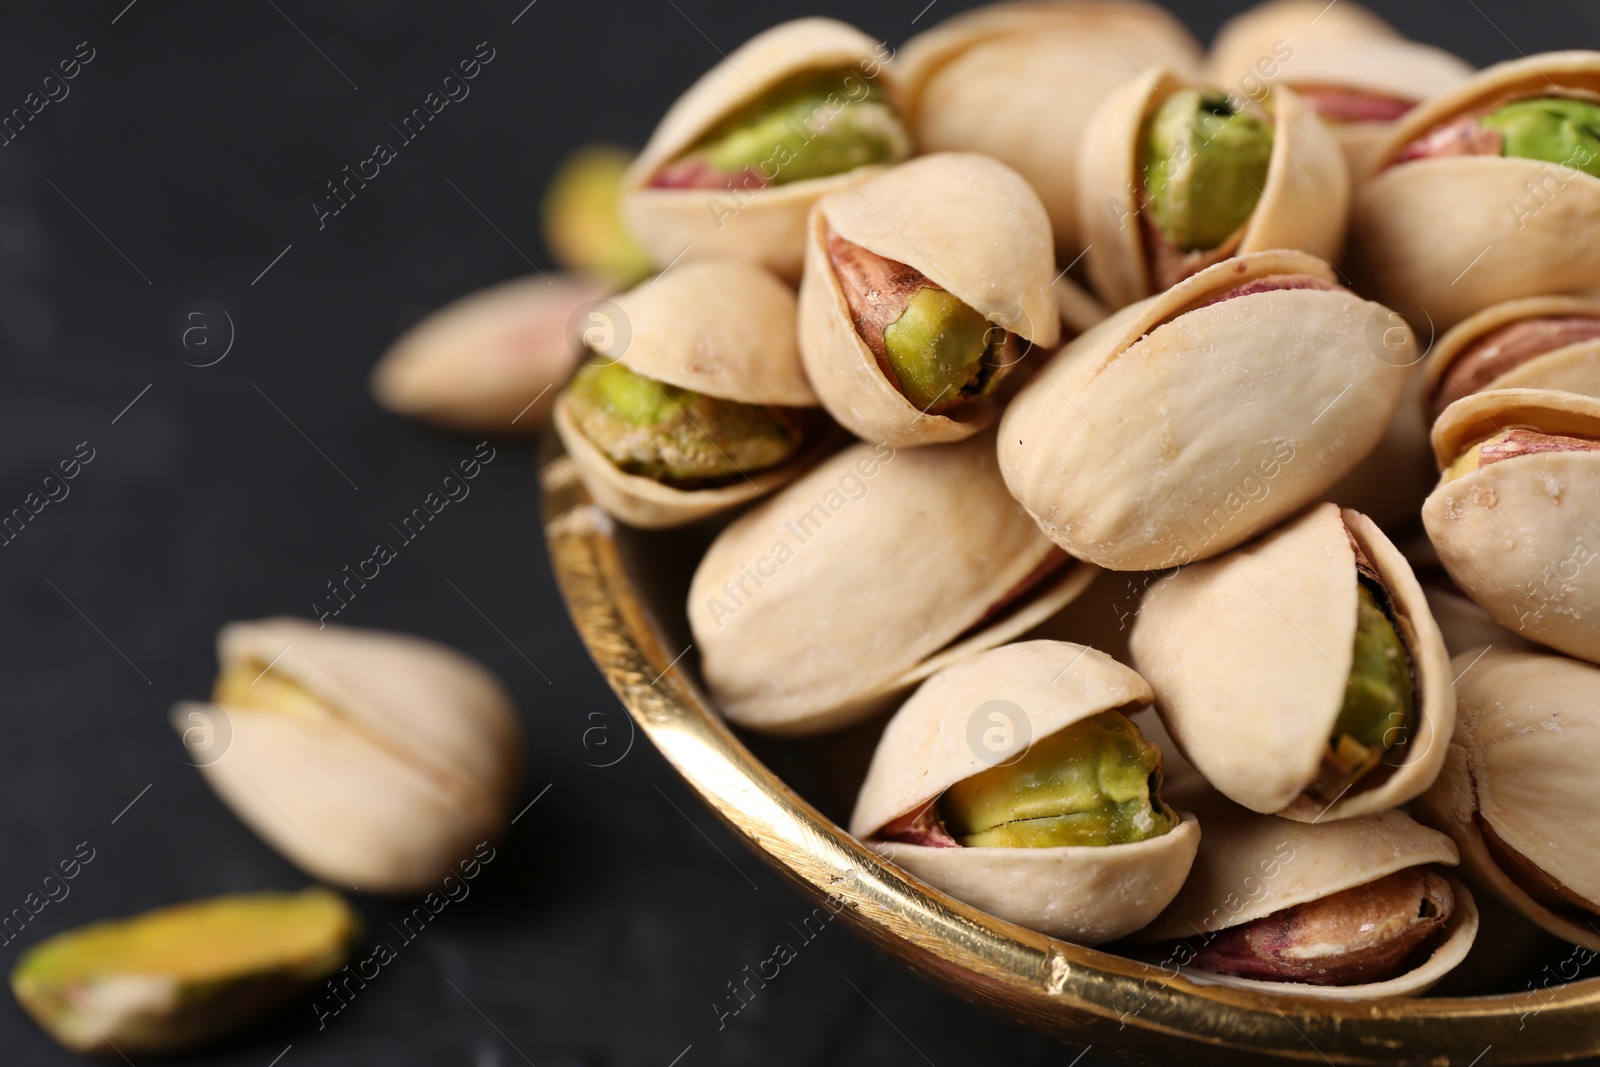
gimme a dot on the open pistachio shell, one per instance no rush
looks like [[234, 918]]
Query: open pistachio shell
[[872, 572], [767, 224], [1303, 205], [1452, 235], [969, 224], [724, 328], [1251, 866], [1573, 367], [1520, 536], [1178, 429], [1251, 656], [1085, 893], [371, 760], [1520, 777], [1018, 81]]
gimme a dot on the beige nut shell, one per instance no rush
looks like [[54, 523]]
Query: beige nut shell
[[1018, 81], [1520, 536], [1250, 655], [1304, 204], [417, 763], [1523, 760], [766, 225], [1443, 237], [1142, 444], [1085, 894], [1251, 865], [1572, 368], [887, 558], [968, 223], [1251, 34]]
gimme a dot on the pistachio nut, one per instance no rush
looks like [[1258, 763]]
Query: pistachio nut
[[1018, 81], [1348, 910], [179, 976], [368, 759], [1462, 623], [1513, 517], [582, 217], [794, 113], [924, 286], [1181, 178], [1543, 342], [873, 571], [696, 405], [1516, 790], [1302, 674], [488, 362], [1186, 424], [1465, 209], [1069, 835]]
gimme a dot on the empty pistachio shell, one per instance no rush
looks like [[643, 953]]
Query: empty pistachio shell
[[1148, 157], [1346, 910], [1285, 687], [488, 362], [369, 759], [756, 213], [1187, 424], [1516, 793], [1543, 342], [582, 217], [874, 571], [174, 978], [1087, 764], [888, 368], [1018, 81], [1451, 225], [1513, 517]]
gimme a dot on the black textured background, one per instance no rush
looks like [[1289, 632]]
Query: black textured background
[[146, 203]]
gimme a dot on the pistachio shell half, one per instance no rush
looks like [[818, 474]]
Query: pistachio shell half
[[369, 759], [1514, 515], [953, 223], [874, 571], [1302, 675], [1186, 424], [1516, 791], [177, 977], [754, 215], [1087, 765], [1543, 342]]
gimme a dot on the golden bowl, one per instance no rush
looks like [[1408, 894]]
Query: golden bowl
[[625, 590]]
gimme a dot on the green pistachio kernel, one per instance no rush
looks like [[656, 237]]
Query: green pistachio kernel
[[583, 225], [942, 351], [1095, 783], [1377, 710], [676, 435], [1205, 166], [1553, 129]]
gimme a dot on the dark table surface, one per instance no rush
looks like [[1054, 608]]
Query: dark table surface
[[172, 190]]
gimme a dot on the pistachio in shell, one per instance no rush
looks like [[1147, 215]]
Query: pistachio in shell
[[1067, 834], [1302, 674], [368, 759], [1543, 342], [180, 976], [1515, 791], [1189, 423], [582, 217], [1462, 623]]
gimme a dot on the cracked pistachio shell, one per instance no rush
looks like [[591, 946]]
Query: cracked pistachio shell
[[1087, 894], [1251, 865], [1572, 368], [180, 976], [1304, 204], [404, 757], [724, 328], [968, 223], [1522, 760], [478, 363], [1018, 82], [1250, 654], [1519, 536], [765, 225], [1172, 432], [824, 603], [1454, 235]]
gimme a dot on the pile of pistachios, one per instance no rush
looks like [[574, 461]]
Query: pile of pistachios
[[1300, 339]]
